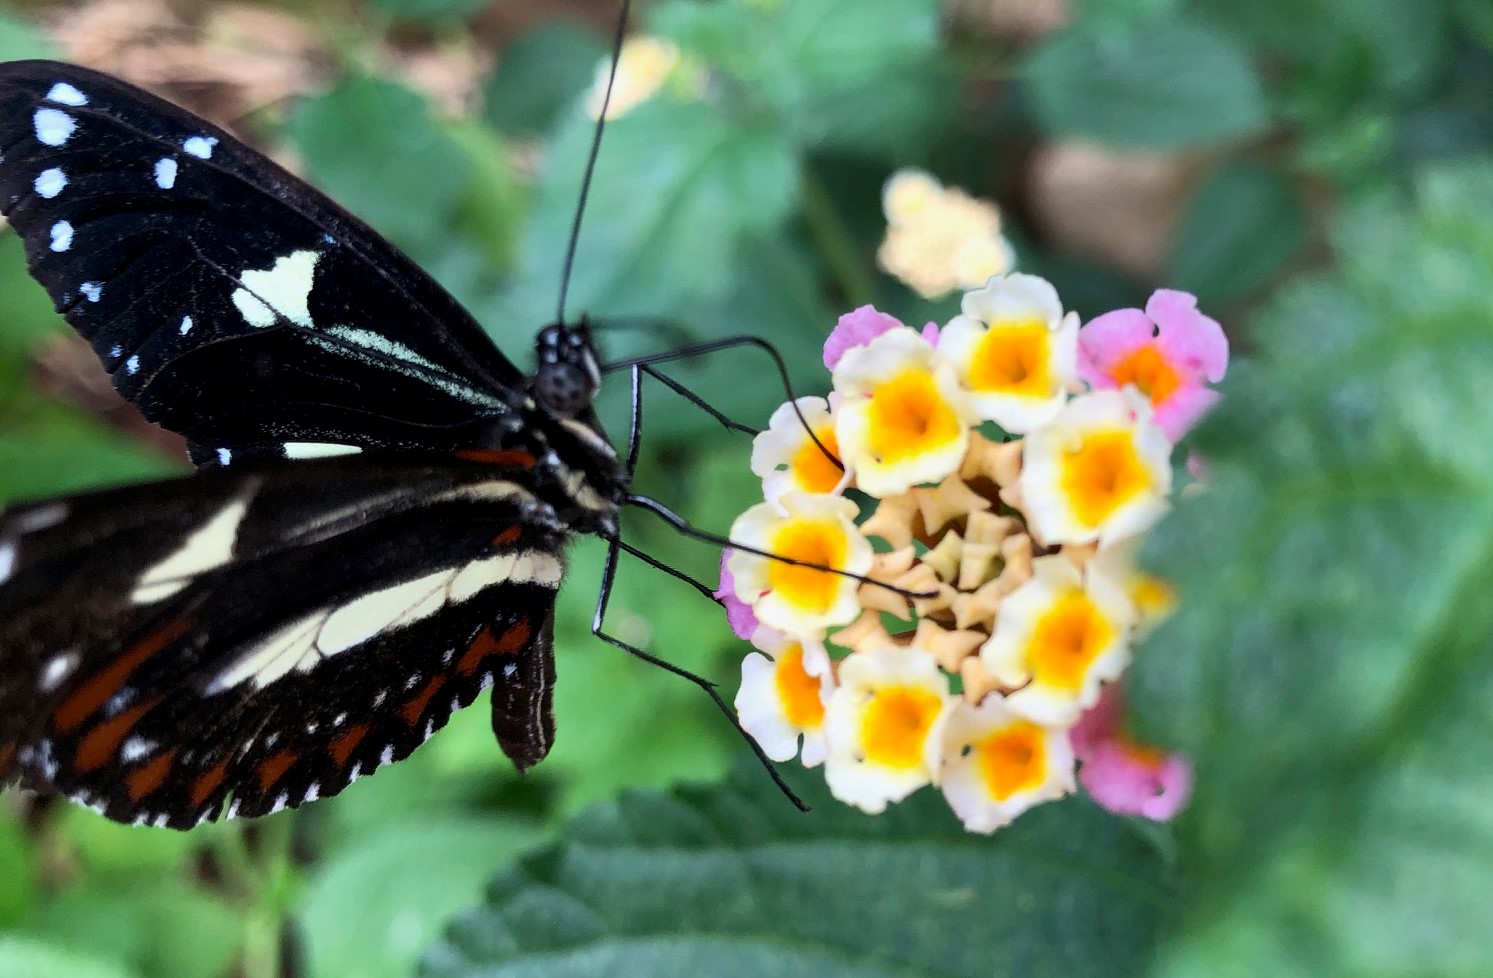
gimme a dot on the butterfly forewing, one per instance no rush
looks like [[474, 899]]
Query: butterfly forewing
[[230, 301], [243, 641]]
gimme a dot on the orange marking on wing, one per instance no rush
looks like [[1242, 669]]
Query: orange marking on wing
[[101, 743], [506, 458], [411, 710], [274, 768], [81, 703], [147, 779], [208, 781], [509, 536], [343, 747], [484, 645], [7, 754]]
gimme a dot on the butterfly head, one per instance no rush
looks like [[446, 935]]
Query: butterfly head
[[568, 375]]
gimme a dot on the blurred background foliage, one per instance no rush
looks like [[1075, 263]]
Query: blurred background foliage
[[1315, 170]]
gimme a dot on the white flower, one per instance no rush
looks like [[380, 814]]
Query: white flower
[[997, 764], [938, 239], [1058, 636], [884, 722], [788, 459], [1099, 471], [1015, 351], [903, 420], [782, 696], [819, 530]]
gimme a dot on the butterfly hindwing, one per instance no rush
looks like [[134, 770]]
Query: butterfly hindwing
[[230, 301], [242, 641]]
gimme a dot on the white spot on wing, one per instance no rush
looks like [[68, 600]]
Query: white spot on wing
[[387, 757], [165, 173], [50, 182], [53, 126], [132, 365], [281, 802], [135, 748], [509, 670], [224, 456], [92, 291], [67, 95], [57, 669], [318, 449], [282, 290], [273, 657], [357, 769], [232, 812], [7, 560], [200, 146], [62, 236], [184, 329], [313, 792], [211, 546]]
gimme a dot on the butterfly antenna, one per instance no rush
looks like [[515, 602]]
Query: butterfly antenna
[[601, 122]]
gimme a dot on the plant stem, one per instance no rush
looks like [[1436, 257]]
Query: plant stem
[[265, 883], [835, 244]]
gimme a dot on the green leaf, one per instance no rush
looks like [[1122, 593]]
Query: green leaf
[[111, 849], [18, 889], [36, 959], [1168, 84], [57, 451], [1329, 667], [26, 317], [736, 881], [540, 75], [20, 39], [436, 11], [165, 930], [678, 190], [1244, 226], [373, 146], [373, 907]]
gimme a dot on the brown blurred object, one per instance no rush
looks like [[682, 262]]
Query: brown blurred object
[[450, 76], [1024, 20], [1117, 208], [501, 22], [68, 370]]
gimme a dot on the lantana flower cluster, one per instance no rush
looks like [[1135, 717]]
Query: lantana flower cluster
[[981, 488]]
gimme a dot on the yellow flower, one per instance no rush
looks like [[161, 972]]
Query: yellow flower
[[903, 420], [782, 696], [1153, 598], [939, 240], [1098, 471], [643, 67], [801, 601], [1014, 351], [885, 723], [997, 764], [787, 459], [1057, 637]]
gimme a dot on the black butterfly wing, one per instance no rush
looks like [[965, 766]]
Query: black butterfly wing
[[230, 301], [241, 641]]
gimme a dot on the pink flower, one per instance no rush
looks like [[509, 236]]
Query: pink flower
[[856, 328], [1170, 352], [1123, 775], [739, 614]]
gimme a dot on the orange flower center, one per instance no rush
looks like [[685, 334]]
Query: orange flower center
[[815, 471], [1066, 642], [1150, 372], [1013, 760], [1102, 474], [1013, 359], [797, 690], [896, 724], [908, 416], [813, 543]]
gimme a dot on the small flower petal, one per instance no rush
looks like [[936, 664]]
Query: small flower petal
[[1122, 775], [788, 459], [856, 328], [1100, 470], [1057, 637], [1194, 340], [1014, 351], [885, 724], [801, 601], [738, 613], [903, 420], [644, 65], [939, 239], [997, 764]]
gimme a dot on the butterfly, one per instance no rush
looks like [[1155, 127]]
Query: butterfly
[[375, 532]]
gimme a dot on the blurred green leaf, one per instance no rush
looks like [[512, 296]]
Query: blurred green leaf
[[374, 147], [735, 881], [23, 956], [164, 930], [491, 212], [26, 316], [1244, 226], [21, 39], [1329, 669], [373, 907], [1168, 84], [540, 75], [111, 849], [436, 11], [55, 450], [18, 889]]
